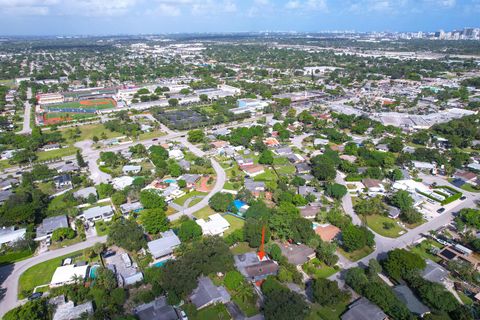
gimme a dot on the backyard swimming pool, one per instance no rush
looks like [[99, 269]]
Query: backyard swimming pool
[[170, 181]]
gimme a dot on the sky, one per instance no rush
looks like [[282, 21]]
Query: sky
[[107, 17]]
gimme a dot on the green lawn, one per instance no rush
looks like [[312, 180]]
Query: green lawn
[[228, 185], [285, 170], [65, 243], [4, 164], [248, 307], [280, 161], [235, 223], [241, 248], [318, 269], [40, 274], [181, 201], [215, 312], [194, 202], [204, 213], [468, 187], [15, 256], [102, 228], [378, 224], [151, 135], [268, 175], [356, 255], [53, 154], [88, 131], [327, 312], [422, 249], [465, 299]]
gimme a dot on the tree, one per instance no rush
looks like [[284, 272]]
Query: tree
[[172, 102], [370, 206], [189, 230], [266, 157], [283, 304], [220, 202], [275, 252], [355, 237], [396, 174], [253, 232], [326, 292], [127, 234], [402, 200], [118, 198], [395, 145], [151, 200], [154, 220], [302, 230], [411, 216], [323, 168], [80, 161], [61, 234], [32, 310], [196, 136], [336, 190], [104, 190], [105, 278], [401, 263], [233, 280]]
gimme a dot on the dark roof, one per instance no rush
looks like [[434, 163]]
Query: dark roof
[[362, 309], [434, 272], [296, 254], [207, 293], [51, 224], [158, 309], [411, 301], [261, 269], [448, 254]]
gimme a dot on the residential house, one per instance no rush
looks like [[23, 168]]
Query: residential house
[[69, 168], [434, 272], [63, 181], [362, 309], [327, 232], [172, 192], [317, 142], [283, 151], [250, 266], [424, 166], [131, 169], [68, 310], [214, 225], [373, 186], [255, 187], [8, 235], [104, 213], [295, 158], [271, 142], [381, 147], [176, 154], [121, 183], [241, 161], [7, 184], [190, 179], [48, 225], [466, 176], [348, 158], [163, 247], [51, 146], [253, 170], [158, 309], [406, 295], [207, 294], [309, 212], [4, 195], [68, 274], [297, 254], [303, 168], [219, 144], [393, 212], [85, 193], [184, 164], [130, 207], [306, 190]]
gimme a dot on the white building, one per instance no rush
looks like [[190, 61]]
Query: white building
[[68, 274], [131, 169], [50, 98], [121, 183], [175, 154], [9, 235], [104, 213], [214, 226]]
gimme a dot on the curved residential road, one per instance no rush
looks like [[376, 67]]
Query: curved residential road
[[219, 183], [297, 141], [10, 274]]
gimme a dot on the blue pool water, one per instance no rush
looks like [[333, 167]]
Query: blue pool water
[[160, 263], [93, 271], [170, 180], [238, 204], [315, 225]]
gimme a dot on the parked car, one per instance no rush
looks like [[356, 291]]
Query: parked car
[[463, 198], [441, 210], [108, 253], [35, 296], [155, 139]]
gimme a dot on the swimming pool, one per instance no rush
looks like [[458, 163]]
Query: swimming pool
[[238, 204], [315, 225], [160, 264], [170, 181], [93, 271]]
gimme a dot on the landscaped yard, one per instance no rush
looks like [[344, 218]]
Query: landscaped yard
[[241, 248], [468, 187], [248, 307], [214, 312], [40, 274], [268, 175], [170, 211], [318, 269], [356, 255], [54, 154], [102, 228], [204, 213], [285, 170], [423, 248], [181, 201], [89, 131], [15, 256], [151, 135], [235, 223], [332, 312], [384, 226]]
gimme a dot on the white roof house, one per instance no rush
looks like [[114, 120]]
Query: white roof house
[[215, 225], [121, 183], [66, 274], [410, 186], [9, 234], [165, 245], [131, 169], [423, 165], [98, 213], [175, 154]]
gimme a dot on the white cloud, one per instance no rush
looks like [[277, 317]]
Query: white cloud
[[293, 4], [306, 5], [165, 9]]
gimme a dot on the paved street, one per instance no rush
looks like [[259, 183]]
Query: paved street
[[26, 115], [10, 274]]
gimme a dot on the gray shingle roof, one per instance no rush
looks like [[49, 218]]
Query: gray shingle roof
[[207, 293], [51, 224], [158, 309], [164, 245], [411, 301], [362, 309]]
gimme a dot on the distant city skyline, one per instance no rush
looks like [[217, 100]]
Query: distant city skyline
[[94, 17]]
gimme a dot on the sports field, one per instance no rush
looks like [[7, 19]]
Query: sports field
[[96, 104]]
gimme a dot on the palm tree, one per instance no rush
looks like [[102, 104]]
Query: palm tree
[[245, 292]]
